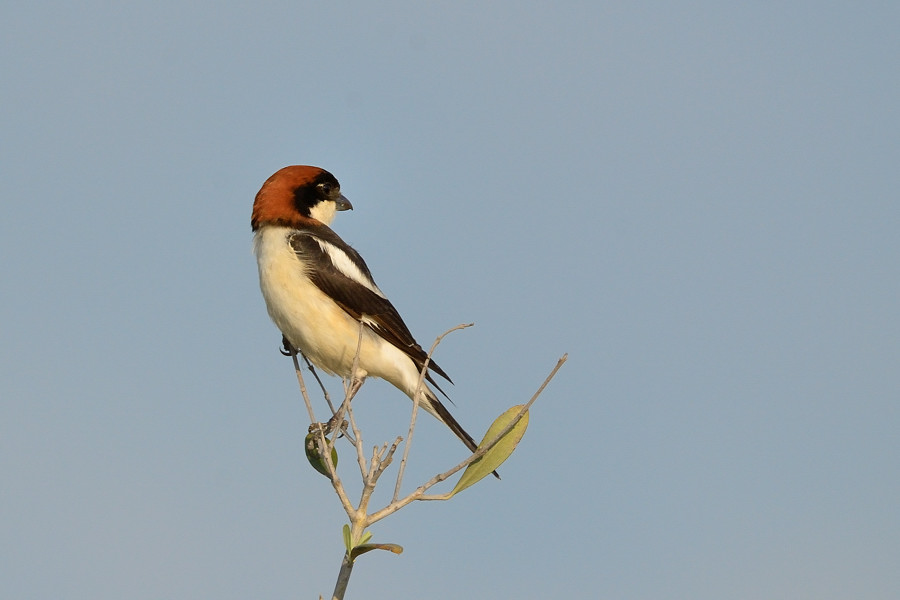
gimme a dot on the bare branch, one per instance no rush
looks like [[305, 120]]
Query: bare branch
[[419, 390], [386, 461], [325, 393], [351, 389], [324, 448], [303, 392], [372, 469], [419, 493]]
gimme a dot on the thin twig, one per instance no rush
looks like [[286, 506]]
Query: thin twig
[[309, 408], [325, 393], [324, 448], [419, 493], [312, 369], [415, 410], [388, 458], [486, 447], [350, 390]]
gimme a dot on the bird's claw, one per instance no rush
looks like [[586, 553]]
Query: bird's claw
[[334, 425], [331, 426]]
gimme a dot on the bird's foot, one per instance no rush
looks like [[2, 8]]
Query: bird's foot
[[335, 425], [331, 426]]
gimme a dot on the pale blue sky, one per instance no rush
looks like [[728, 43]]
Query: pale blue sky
[[699, 202]]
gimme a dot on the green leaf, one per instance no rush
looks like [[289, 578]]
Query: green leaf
[[312, 445], [347, 542], [504, 447]]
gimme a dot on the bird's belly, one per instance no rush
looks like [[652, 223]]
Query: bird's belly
[[311, 321], [317, 326]]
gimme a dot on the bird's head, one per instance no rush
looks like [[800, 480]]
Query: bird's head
[[298, 195]]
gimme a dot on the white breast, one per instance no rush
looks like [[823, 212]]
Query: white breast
[[314, 323]]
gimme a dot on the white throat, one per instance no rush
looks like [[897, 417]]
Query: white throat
[[324, 211]]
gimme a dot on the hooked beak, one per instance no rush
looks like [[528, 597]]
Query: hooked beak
[[343, 203]]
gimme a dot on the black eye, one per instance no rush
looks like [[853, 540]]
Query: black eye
[[325, 188]]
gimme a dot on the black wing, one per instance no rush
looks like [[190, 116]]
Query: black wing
[[342, 274]]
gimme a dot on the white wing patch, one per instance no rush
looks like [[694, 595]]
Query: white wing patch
[[345, 265]]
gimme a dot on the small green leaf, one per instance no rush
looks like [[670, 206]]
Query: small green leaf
[[485, 465], [365, 538], [363, 548], [347, 543], [314, 455]]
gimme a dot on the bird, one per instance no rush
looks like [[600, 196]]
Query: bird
[[318, 290]]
